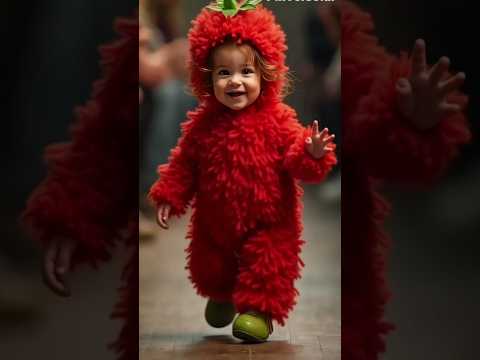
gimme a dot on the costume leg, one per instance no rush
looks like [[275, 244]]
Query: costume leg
[[363, 329], [364, 292], [126, 344], [269, 264], [212, 270]]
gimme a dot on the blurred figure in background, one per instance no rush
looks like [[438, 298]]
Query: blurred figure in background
[[163, 76]]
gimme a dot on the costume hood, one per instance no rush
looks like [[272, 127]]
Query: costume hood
[[256, 27]]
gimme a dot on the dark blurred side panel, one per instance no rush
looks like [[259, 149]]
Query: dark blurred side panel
[[431, 267], [50, 62]]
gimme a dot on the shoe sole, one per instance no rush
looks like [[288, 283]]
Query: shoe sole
[[219, 326], [247, 337]]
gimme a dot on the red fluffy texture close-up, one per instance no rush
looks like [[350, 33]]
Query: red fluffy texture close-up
[[90, 193], [380, 144], [257, 28]]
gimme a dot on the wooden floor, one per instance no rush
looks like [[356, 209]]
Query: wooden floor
[[171, 314]]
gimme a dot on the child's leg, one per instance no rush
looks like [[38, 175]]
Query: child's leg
[[269, 263], [213, 270]]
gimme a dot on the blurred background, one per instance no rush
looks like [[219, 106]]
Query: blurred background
[[50, 60], [433, 266]]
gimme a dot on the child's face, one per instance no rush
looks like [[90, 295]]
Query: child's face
[[236, 81]]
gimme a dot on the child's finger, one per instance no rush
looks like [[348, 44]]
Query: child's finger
[[49, 273], [64, 257], [161, 221], [165, 213], [451, 84], [65, 288], [447, 108], [329, 138], [437, 71], [163, 224], [63, 262], [315, 127], [309, 144], [419, 62], [160, 216], [321, 134], [49, 265]]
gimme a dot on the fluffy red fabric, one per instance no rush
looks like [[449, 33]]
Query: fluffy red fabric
[[241, 168], [379, 144], [90, 193]]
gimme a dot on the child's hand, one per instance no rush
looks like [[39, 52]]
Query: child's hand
[[56, 265], [320, 142], [163, 213], [423, 97]]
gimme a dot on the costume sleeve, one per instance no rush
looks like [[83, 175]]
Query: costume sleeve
[[176, 184], [91, 186], [386, 144], [298, 161]]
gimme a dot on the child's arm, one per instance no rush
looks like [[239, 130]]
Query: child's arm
[[176, 185], [309, 154], [410, 129], [402, 119], [90, 189], [88, 195]]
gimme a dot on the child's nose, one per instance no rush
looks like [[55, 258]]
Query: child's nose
[[235, 79]]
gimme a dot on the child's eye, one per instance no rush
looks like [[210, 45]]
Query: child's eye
[[247, 71], [223, 72]]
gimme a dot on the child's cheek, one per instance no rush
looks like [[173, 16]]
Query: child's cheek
[[217, 88], [257, 88]]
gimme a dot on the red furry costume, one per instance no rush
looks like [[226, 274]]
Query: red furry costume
[[90, 194], [379, 144], [241, 169]]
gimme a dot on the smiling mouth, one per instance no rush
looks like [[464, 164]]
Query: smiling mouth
[[235, 93]]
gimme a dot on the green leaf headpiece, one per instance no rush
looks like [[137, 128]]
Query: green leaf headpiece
[[231, 8]]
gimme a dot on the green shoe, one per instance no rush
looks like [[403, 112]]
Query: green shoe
[[218, 314], [252, 327]]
